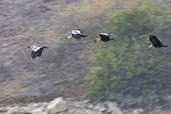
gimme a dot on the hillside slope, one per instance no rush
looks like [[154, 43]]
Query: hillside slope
[[37, 22], [46, 22]]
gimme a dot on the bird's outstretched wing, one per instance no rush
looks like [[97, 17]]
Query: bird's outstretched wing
[[155, 41], [39, 52], [83, 35], [104, 37], [33, 54], [76, 32]]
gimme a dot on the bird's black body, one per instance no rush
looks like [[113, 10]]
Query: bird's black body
[[155, 41], [104, 37]]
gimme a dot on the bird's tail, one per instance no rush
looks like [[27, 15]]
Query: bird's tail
[[164, 46]]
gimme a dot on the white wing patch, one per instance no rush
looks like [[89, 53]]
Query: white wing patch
[[76, 32], [35, 48], [105, 34]]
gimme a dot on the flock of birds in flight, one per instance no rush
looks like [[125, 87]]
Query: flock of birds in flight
[[37, 51]]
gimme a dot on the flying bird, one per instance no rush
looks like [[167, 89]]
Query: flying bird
[[77, 34], [36, 51], [104, 37], [155, 42]]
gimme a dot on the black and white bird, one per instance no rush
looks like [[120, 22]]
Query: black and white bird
[[155, 42], [77, 34], [104, 37], [36, 51]]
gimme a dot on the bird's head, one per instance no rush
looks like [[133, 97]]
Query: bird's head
[[69, 36], [149, 46], [97, 40], [30, 47]]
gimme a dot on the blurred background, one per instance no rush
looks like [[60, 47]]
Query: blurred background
[[116, 70]]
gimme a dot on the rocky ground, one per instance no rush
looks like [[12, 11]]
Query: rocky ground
[[75, 106]]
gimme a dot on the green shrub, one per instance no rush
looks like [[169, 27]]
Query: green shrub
[[112, 68], [127, 70], [134, 22], [97, 82]]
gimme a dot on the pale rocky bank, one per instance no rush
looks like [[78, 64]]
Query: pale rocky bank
[[75, 106]]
